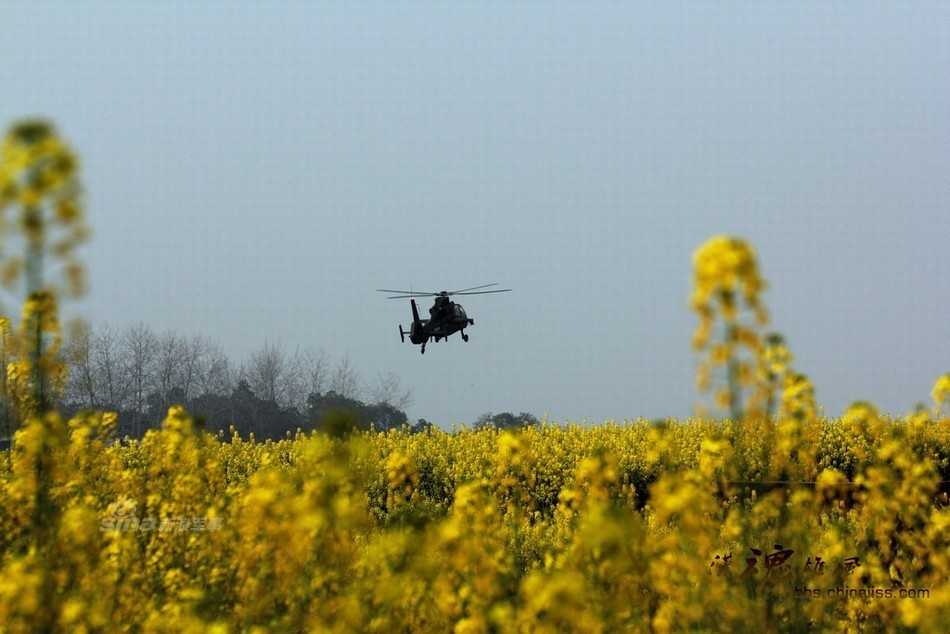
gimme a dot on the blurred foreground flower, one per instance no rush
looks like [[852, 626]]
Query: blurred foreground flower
[[726, 280], [40, 212]]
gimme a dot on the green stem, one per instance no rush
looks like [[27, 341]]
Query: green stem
[[770, 403], [735, 390], [34, 284]]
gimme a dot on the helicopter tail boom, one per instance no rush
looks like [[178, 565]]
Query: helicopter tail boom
[[415, 311], [417, 332]]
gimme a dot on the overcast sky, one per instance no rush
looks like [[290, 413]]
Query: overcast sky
[[255, 170]]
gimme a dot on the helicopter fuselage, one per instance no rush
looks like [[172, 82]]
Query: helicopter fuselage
[[445, 318]]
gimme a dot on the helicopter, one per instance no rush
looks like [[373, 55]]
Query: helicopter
[[445, 317]]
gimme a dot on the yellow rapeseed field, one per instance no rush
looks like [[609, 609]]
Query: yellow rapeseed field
[[619, 527]]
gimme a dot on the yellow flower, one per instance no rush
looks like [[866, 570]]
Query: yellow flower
[[726, 281], [860, 412], [798, 397], [39, 173], [776, 355], [941, 393], [726, 265]]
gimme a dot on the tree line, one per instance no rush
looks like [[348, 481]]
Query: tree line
[[139, 374]]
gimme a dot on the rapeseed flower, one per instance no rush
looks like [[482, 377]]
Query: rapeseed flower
[[726, 283], [941, 394]]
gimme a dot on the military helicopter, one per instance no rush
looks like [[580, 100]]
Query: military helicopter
[[445, 316]]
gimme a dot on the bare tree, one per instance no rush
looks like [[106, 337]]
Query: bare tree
[[217, 373], [78, 355], [138, 374], [388, 390], [310, 376], [270, 372], [215, 382], [345, 381], [111, 381], [168, 353], [192, 365], [138, 355]]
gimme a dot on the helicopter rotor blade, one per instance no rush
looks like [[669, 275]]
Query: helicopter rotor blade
[[500, 290], [465, 291], [474, 288], [404, 294]]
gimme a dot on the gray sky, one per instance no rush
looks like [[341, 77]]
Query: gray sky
[[256, 170]]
